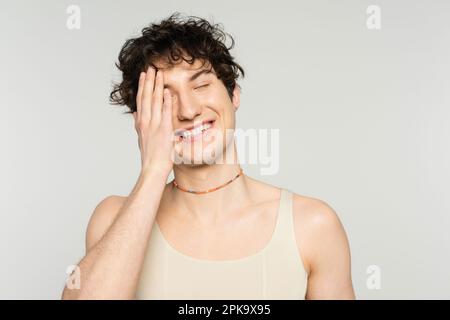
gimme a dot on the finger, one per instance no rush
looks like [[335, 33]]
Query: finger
[[135, 116], [167, 109], [157, 98], [147, 95], [139, 93]]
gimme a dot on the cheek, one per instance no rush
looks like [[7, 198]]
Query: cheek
[[228, 116], [218, 100], [217, 97]]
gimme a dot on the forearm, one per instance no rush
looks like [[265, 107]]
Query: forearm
[[111, 269]]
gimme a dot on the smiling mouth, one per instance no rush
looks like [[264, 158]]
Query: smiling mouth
[[195, 133]]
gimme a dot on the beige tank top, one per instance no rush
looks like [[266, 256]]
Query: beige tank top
[[274, 272]]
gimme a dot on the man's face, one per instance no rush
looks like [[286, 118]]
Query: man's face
[[198, 96]]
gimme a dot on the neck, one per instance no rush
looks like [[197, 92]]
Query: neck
[[213, 207]]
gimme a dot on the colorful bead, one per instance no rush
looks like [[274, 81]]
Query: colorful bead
[[209, 190]]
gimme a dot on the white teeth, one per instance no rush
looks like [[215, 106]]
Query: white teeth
[[196, 131]]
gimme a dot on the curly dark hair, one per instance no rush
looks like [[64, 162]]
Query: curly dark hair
[[174, 39]]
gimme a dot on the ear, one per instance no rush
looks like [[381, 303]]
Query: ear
[[236, 97]]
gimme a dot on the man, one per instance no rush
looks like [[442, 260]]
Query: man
[[212, 232]]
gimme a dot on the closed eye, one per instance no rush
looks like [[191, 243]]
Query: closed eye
[[205, 85]]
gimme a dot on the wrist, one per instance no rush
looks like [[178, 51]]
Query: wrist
[[156, 171]]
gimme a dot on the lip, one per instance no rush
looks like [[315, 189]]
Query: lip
[[198, 136]]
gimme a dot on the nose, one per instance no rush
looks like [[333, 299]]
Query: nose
[[187, 107]]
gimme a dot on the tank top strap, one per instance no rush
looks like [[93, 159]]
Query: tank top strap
[[284, 230]]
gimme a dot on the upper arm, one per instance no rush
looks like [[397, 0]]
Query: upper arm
[[325, 249], [102, 218]]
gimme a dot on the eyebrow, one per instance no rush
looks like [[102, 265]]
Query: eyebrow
[[199, 73], [195, 76]]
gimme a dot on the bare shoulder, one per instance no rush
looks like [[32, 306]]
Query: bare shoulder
[[314, 212], [102, 218], [317, 228]]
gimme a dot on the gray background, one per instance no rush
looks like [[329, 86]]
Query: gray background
[[363, 117]]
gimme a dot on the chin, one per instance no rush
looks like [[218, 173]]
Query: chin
[[202, 150], [209, 156]]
